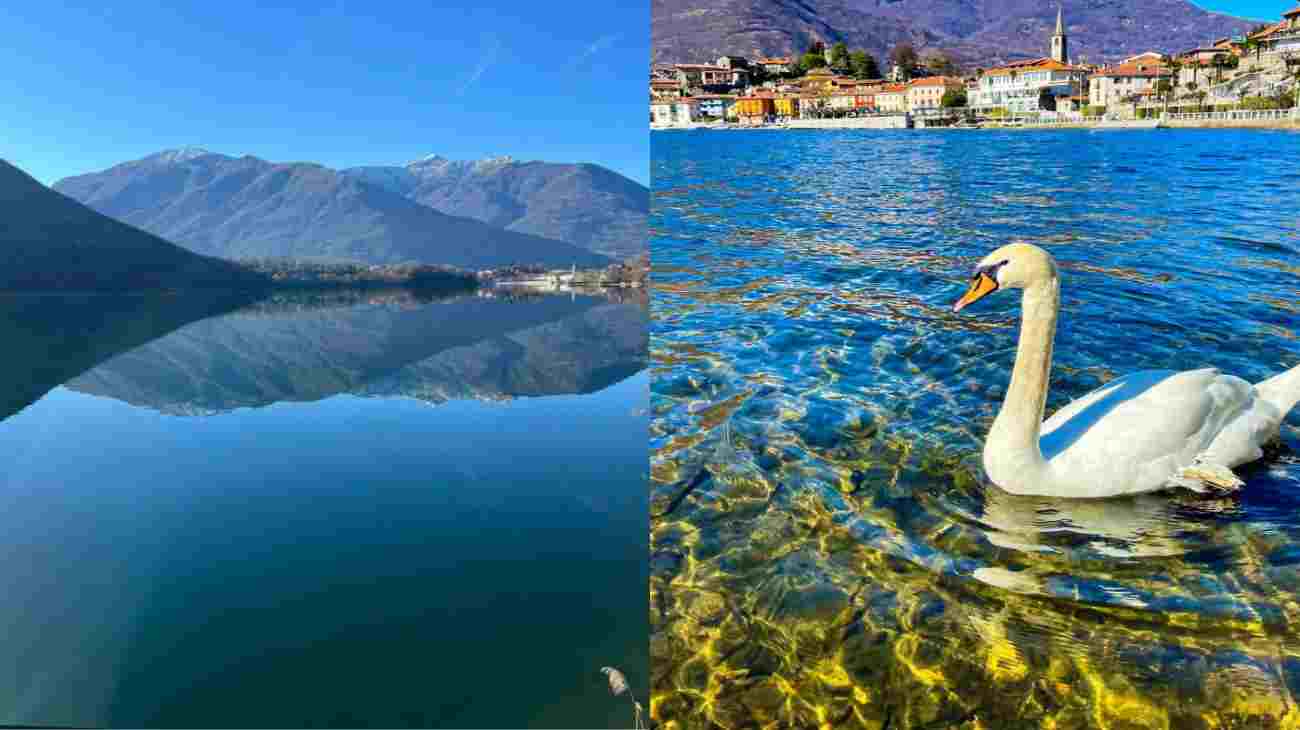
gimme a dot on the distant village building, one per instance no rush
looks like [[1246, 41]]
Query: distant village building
[[777, 65], [663, 72], [866, 96], [926, 94], [715, 106], [1283, 37], [786, 107], [818, 80], [1027, 86], [674, 112], [710, 78], [733, 62], [664, 89], [755, 109], [892, 99], [1133, 80]]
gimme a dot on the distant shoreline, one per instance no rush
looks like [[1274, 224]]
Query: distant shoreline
[[874, 123]]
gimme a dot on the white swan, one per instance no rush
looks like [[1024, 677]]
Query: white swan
[[1141, 433]]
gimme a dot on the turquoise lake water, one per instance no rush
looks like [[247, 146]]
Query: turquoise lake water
[[824, 548], [364, 510]]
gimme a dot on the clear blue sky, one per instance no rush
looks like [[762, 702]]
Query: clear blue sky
[[1262, 9], [85, 86]]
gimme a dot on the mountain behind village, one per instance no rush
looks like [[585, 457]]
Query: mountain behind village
[[975, 33], [471, 215]]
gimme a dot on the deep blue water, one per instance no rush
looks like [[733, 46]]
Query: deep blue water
[[810, 381], [382, 513]]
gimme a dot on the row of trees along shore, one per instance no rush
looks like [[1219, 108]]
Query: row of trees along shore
[[309, 274], [862, 65]]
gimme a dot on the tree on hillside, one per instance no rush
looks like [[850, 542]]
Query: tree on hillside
[[839, 55], [940, 64], [864, 65], [953, 98], [1164, 87], [904, 57], [1219, 62], [812, 60]]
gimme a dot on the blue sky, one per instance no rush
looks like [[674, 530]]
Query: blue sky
[[1262, 9], [86, 86]]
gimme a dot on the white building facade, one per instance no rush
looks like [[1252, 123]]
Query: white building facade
[[1028, 86]]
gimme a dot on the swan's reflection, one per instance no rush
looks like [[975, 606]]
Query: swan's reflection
[[1143, 526]]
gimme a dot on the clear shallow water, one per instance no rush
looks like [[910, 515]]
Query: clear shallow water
[[823, 547], [356, 510]]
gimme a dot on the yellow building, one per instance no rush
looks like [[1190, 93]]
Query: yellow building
[[755, 108], [787, 106]]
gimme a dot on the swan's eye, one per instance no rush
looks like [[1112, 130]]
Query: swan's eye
[[991, 271]]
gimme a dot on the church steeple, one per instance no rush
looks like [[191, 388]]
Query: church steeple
[[1060, 44]]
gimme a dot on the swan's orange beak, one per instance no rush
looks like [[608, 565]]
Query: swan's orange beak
[[981, 286]]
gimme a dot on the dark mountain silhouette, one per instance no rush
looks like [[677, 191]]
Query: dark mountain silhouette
[[247, 207], [583, 204], [50, 241], [975, 32]]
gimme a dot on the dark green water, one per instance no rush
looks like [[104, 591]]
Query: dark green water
[[371, 510]]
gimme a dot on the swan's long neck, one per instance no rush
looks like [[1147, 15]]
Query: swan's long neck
[[1015, 433]]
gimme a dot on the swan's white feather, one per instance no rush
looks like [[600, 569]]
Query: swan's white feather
[[1139, 433]]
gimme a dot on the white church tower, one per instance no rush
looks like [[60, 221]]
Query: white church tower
[[1060, 44]]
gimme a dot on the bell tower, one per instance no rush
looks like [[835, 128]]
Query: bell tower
[[1060, 43]]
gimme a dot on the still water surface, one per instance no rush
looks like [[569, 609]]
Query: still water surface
[[351, 510], [824, 548]]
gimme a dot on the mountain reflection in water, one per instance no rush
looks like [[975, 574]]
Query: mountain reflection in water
[[172, 355]]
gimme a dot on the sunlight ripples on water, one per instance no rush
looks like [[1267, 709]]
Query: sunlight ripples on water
[[825, 550]]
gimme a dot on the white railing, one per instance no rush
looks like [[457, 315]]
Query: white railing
[[1261, 115]]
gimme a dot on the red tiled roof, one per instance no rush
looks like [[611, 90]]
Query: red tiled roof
[[935, 81], [779, 60], [1135, 71], [1291, 13], [702, 67], [663, 84], [1037, 64]]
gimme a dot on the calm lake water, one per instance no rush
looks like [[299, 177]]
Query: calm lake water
[[825, 551], [345, 510]]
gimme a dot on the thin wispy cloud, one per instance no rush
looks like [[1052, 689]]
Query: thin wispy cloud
[[583, 60], [491, 49]]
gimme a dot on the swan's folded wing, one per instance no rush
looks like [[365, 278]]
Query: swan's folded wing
[[1142, 428]]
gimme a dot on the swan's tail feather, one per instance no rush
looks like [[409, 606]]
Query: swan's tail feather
[[1282, 390]]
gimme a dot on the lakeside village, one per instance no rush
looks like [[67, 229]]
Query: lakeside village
[[1251, 80], [293, 273]]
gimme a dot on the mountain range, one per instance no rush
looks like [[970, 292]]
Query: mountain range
[[245, 207], [583, 204], [976, 33], [50, 241]]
